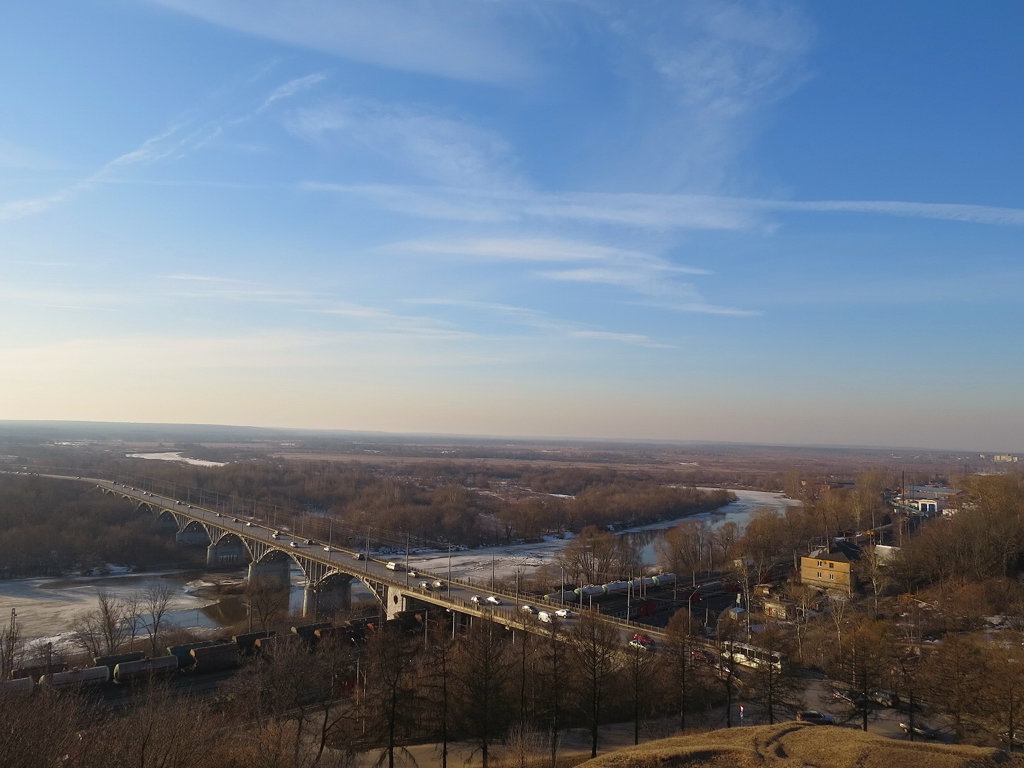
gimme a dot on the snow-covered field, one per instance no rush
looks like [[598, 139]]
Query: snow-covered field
[[47, 607]]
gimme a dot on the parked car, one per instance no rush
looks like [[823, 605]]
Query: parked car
[[815, 718], [884, 698], [920, 729], [703, 656], [1014, 738], [849, 697]]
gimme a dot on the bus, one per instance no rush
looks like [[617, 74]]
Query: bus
[[752, 656]]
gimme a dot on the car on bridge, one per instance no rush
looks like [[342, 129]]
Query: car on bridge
[[564, 613], [530, 609], [293, 544], [328, 548], [358, 556], [476, 599], [493, 600]]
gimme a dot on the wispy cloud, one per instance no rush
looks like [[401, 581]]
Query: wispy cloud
[[178, 140], [434, 147], [229, 289], [446, 38], [657, 212], [972, 214], [542, 321], [636, 339], [643, 273], [292, 88], [542, 250]]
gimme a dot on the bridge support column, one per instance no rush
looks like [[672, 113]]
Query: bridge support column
[[226, 554], [321, 601], [192, 537]]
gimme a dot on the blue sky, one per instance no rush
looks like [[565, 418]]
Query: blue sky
[[774, 222]]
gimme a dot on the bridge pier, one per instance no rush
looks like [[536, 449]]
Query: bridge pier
[[227, 553], [323, 600]]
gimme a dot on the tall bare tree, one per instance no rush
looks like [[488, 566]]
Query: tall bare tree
[[155, 603], [595, 647]]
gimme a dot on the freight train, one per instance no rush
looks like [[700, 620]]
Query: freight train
[[637, 586]]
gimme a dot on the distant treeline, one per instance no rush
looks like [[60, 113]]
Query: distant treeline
[[52, 526], [467, 504]]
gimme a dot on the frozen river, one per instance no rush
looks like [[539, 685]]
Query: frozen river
[[48, 607]]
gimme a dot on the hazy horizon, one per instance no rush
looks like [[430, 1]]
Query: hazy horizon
[[440, 436], [785, 223]]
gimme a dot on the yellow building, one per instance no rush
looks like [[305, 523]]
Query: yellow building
[[828, 570]]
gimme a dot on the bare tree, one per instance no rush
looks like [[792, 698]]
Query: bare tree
[[641, 666], [481, 678], [102, 631], [10, 644], [595, 647], [156, 600]]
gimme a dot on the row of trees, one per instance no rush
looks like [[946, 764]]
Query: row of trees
[[47, 527], [511, 694]]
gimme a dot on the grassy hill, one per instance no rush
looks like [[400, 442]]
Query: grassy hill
[[795, 745]]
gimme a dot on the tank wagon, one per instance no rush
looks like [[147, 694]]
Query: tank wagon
[[20, 685], [214, 658], [141, 671], [112, 661], [76, 678], [183, 653], [247, 643]]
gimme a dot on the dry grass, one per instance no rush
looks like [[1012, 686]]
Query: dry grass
[[793, 745]]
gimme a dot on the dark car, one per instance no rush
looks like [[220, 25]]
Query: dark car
[[920, 729], [884, 698], [815, 718], [848, 696]]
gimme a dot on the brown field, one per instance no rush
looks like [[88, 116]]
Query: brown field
[[793, 745]]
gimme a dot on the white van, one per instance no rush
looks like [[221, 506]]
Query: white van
[[394, 567], [545, 617]]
